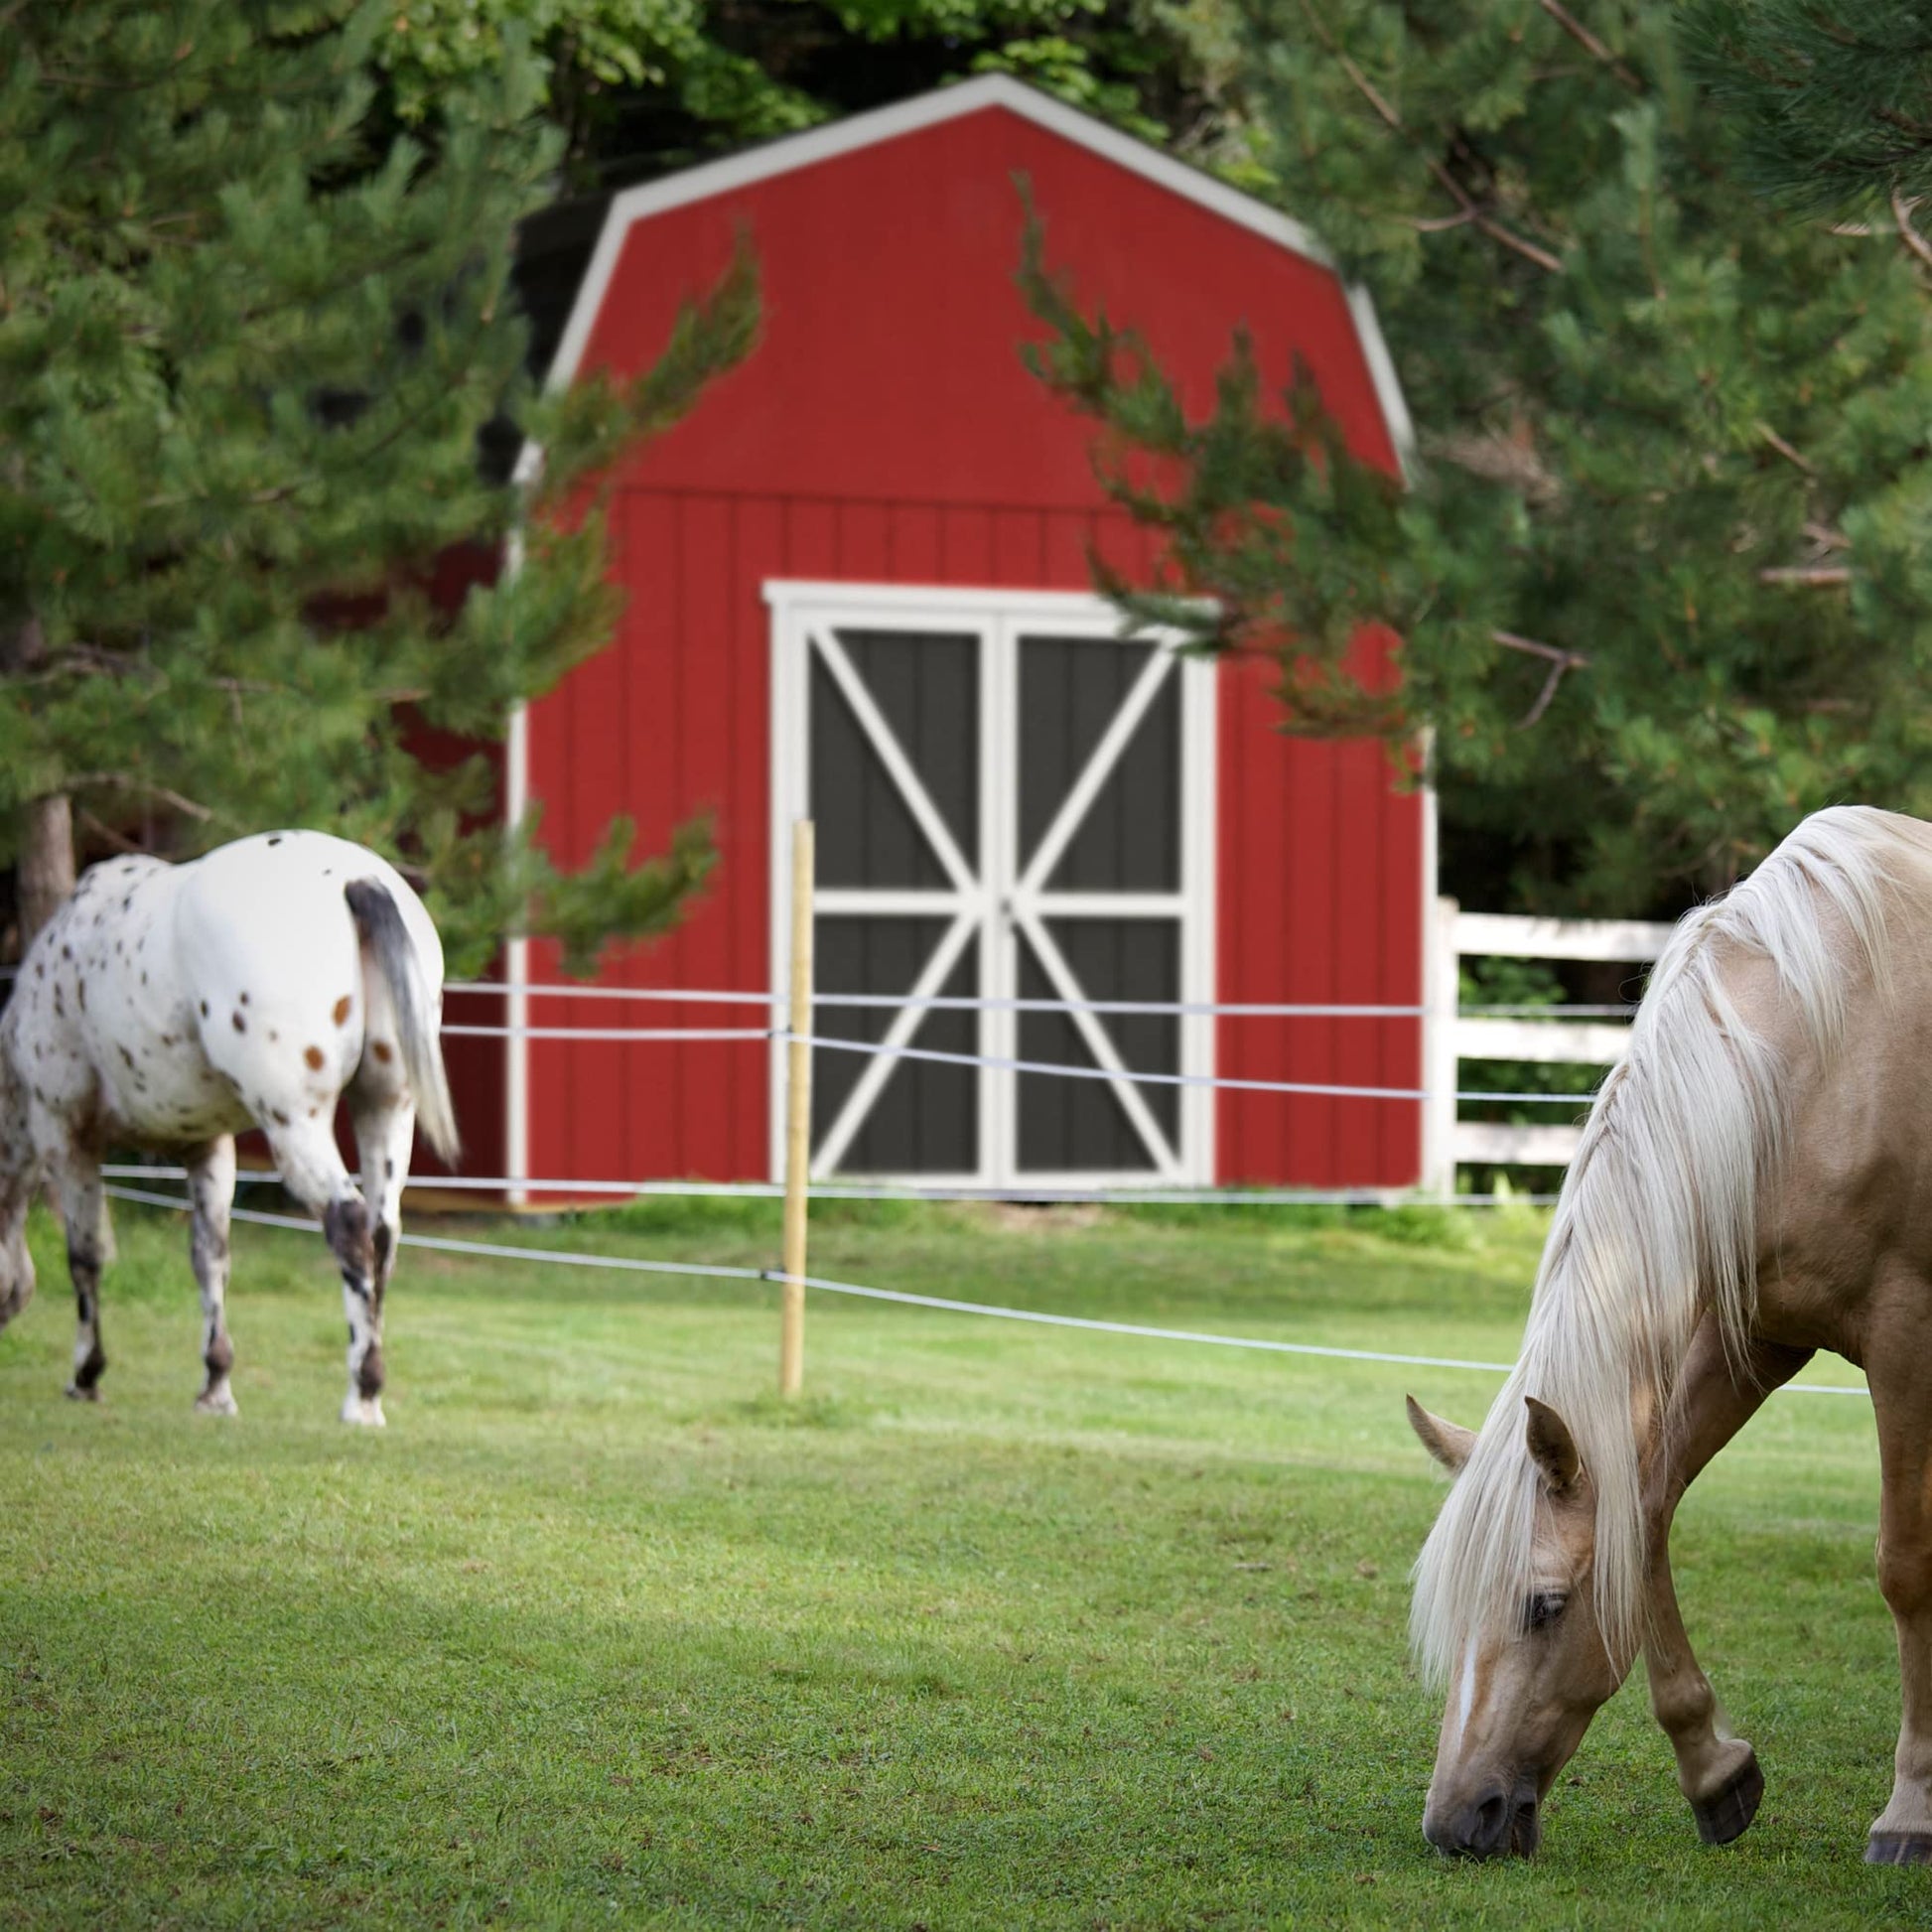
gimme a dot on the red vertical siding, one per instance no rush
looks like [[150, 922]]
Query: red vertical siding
[[966, 545], [918, 538], [1320, 902], [886, 432]]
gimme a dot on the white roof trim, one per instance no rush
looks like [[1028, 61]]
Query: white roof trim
[[818, 144]]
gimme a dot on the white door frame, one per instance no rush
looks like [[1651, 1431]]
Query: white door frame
[[997, 900]]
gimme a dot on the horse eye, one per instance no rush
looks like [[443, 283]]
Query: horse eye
[[1543, 1610]]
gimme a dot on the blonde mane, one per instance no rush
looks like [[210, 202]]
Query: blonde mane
[[1656, 1222]]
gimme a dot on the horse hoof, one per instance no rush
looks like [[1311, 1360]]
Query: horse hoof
[[76, 1393], [1728, 1815], [216, 1405], [1899, 1848]]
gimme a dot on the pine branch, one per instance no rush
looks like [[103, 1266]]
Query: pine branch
[[1902, 214], [1435, 224], [1471, 211], [1585, 39], [1573, 660], [1560, 661], [145, 787], [1784, 449], [104, 834], [89, 660]]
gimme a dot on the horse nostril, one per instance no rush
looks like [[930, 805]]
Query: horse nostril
[[1487, 1826]]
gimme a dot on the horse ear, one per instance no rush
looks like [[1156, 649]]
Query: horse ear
[[1551, 1447], [1449, 1442]]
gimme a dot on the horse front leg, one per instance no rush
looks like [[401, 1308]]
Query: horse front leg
[[1902, 1397], [210, 1181], [83, 1209], [1717, 1772]]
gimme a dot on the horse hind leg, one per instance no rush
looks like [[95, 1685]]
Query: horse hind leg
[[313, 1171], [83, 1208], [210, 1177], [352, 1236], [385, 1128], [16, 1258]]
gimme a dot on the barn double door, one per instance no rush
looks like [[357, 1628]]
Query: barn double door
[[1013, 804]]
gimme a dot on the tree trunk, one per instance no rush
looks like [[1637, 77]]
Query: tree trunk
[[46, 862]]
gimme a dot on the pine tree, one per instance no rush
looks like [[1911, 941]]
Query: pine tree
[[249, 346], [1661, 579]]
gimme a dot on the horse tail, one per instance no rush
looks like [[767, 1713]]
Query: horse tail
[[380, 924]]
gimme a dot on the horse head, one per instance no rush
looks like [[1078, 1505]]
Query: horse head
[[1527, 1675]]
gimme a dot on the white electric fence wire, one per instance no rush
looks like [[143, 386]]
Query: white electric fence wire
[[963, 1004], [1325, 1089], [497, 1250], [1046, 1195], [628, 1264], [1058, 1068], [948, 1002], [966, 1003], [608, 1033]]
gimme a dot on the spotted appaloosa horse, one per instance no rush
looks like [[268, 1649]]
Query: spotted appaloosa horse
[[168, 1007]]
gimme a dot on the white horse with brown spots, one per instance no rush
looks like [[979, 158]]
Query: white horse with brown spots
[[169, 1006], [1755, 1183]]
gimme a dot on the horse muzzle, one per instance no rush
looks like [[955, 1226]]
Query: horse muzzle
[[1500, 1822]]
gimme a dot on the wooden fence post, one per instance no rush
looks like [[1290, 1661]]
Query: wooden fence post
[[798, 1115]]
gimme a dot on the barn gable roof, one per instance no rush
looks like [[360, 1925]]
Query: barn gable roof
[[858, 131]]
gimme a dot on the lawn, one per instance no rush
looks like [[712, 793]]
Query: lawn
[[1001, 1626]]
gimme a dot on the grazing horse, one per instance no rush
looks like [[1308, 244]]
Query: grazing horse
[[1755, 1183], [169, 1006]]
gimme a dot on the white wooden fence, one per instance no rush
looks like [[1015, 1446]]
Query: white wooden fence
[[1453, 1035]]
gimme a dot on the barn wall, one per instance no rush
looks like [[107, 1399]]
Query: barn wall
[[887, 432], [1320, 903], [672, 722], [890, 370], [1319, 887]]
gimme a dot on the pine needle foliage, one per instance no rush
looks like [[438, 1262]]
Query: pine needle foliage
[[1832, 97], [250, 340], [1661, 576], [1277, 540]]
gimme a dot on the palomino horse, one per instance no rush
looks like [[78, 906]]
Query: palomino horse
[[170, 1005], [1751, 1187]]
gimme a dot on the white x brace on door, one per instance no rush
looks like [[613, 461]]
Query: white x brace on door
[[1013, 804]]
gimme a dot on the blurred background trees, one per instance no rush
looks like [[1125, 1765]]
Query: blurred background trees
[[1652, 278], [1662, 574], [260, 378]]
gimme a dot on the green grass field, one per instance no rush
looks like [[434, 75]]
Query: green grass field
[[1002, 1626]]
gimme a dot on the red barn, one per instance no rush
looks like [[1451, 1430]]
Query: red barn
[[858, 587]]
